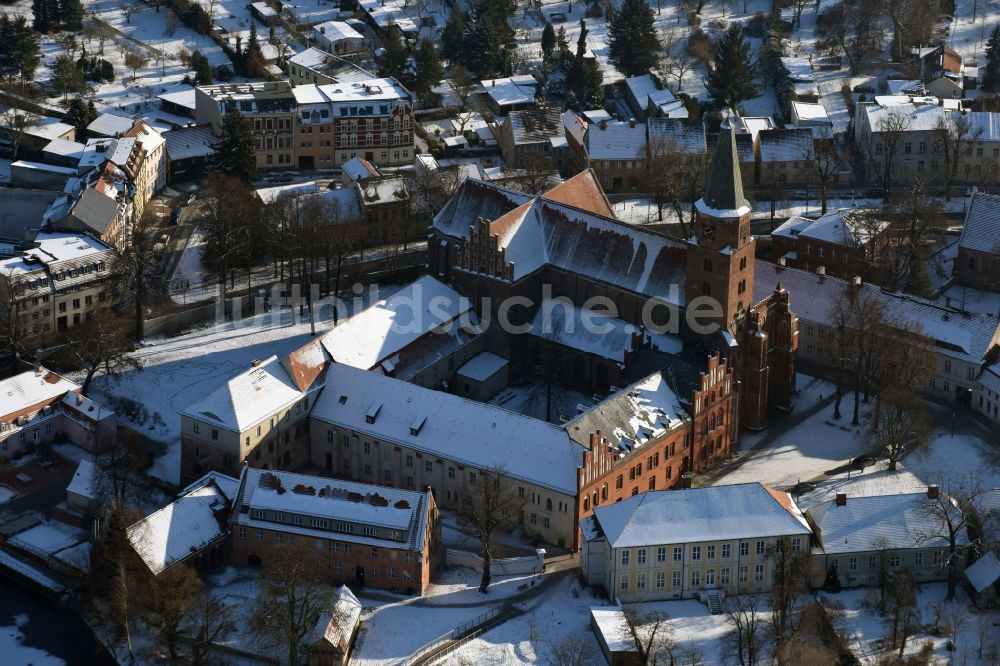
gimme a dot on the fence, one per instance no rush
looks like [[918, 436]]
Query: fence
[[508, 566], [452, 635]]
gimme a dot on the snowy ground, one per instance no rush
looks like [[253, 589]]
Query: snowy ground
[[15, 653], [181, 370], [971, 300], [461, 585], [528, 397], [392, 632]]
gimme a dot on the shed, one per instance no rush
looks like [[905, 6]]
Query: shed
[[481, 377], [608, 623]]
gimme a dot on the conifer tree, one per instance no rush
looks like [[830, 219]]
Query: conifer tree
[[392, 61], [584, 79], [731, 79], [235, 153], [79, 113], [428, 69], [548, 40], [202, 70], [633, 44], [917, 281], [991, 78], [452, 37], [71, 14], [488, 40]]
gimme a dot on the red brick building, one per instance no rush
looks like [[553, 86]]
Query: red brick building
[[366, 535], [843, 242]]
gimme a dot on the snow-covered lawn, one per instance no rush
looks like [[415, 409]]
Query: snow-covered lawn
[[181, 370], [392, 632], [528, 397], [455, 584], [865, 629], [14, 652], [971, 300]]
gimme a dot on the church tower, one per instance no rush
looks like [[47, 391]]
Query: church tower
[[720, 256]]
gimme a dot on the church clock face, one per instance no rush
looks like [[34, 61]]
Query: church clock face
[[708, 231]]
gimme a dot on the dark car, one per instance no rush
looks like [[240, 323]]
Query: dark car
[[863, 461], [803, 487]]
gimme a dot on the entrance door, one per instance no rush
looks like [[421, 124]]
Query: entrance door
[[329, 461], [359, 576]]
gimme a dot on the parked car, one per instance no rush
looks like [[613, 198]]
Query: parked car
[[863, 461]]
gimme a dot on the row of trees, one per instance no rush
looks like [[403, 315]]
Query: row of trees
[[54, 14], [481, 38]]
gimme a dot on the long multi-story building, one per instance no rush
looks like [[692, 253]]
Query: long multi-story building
[[317, 125]]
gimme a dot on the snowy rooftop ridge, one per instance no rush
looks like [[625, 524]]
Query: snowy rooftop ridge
[[31, 388], [841, 226], [387, 409], [982, 224], [715, 513]]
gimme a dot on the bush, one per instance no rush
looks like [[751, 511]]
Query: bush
[[224, 72]]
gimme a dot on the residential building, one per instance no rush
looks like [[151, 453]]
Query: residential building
[[360, 534], [189, 152], [58, 280], [678, 544], [103, 206], [903, 139], [617, 153], [860, 540], [649, 98], [269, 108], [190, 531], [786, 156], [258, 417], [40, 406], [149, 172], [532, 139], [385, 209], [959, 341], [845, 242], [109, 125], [179, 101], [318, 67], [986, 398], [332, 640], [338, 38], [978, 261], [513, 93], [376, 429]]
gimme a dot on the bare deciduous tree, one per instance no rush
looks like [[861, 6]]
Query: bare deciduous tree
[[949, 513], [488, 506], [954, 135], [901, 425], [746, 624], [575, 650], [651, 635], [173, 598], [882, 142], [902, 613]]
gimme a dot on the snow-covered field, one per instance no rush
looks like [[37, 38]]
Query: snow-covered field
[[15, 653], [181, 370]]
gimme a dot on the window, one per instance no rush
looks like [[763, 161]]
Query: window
[[618, 482], [695, 579], [743, 574], [661, 554], [695, 552], [624, 583], [368, 448], [409, 461], [744, 548], [894, 561], [661, 579], [194, 426], [918, 559], [451, 472], [726, 551], [428, 466], [472, 478], [760, 547], [711, 552], [533, 519], [626, 555], [758, 573], [937, 557], [724, 576], [640, 556], [852, 564], [215, 434], [243, 533], [640, 582], [678, 553], [260, 535], [796, 544], [710, 577], [546, 523], [871, 561]]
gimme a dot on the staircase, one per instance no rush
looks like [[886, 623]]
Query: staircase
[[713, 600]]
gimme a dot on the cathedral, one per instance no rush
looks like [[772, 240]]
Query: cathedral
[[566, 245]]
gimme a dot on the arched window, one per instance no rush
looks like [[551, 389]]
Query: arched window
[[604, 492], [711, 421], [548, 505], [586, 504]]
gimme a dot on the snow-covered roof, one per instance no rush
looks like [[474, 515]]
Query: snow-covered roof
[[271, 194], [716, 513], [632, 417], [535, 125], [110, 124], [840, 226], [183, 95], [983, 572], [982, 224], [965, 336], [588, 331], [685, 135], [180, 529], [610, 621], [510, 91], [333, 500], [648, 94], [905, 87], [335, 31], [64, 148], [476, 199], [786, 145], [337, 627], [189, 142], [30, 388], [85, 480], [799, 68], [386, 327], [899, 521], [616, 141], [226, 484], [329, 65], [358, 168], [482, 366], [468, 432], [48, 128], [42, 166], [989, 378], [574, 126], [248, 398]]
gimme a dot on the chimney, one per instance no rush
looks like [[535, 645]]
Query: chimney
[[856, 282], [631, 123], [494, 82], [933, 492], [255, 363], [821, 272], [841, 499], [782, 261], [603, 124], [79, 401]]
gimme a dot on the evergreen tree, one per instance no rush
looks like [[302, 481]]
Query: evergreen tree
[[633, 45], [79, 114], [548, 40], [46, 15], [71, 14], [393, 59], [731, 79], [25, 49], [428, 70], [584, 78], [252, 57], [917, 281], [488, 41], [234, 153], [991, 78], [202, 70], [452, 37]]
